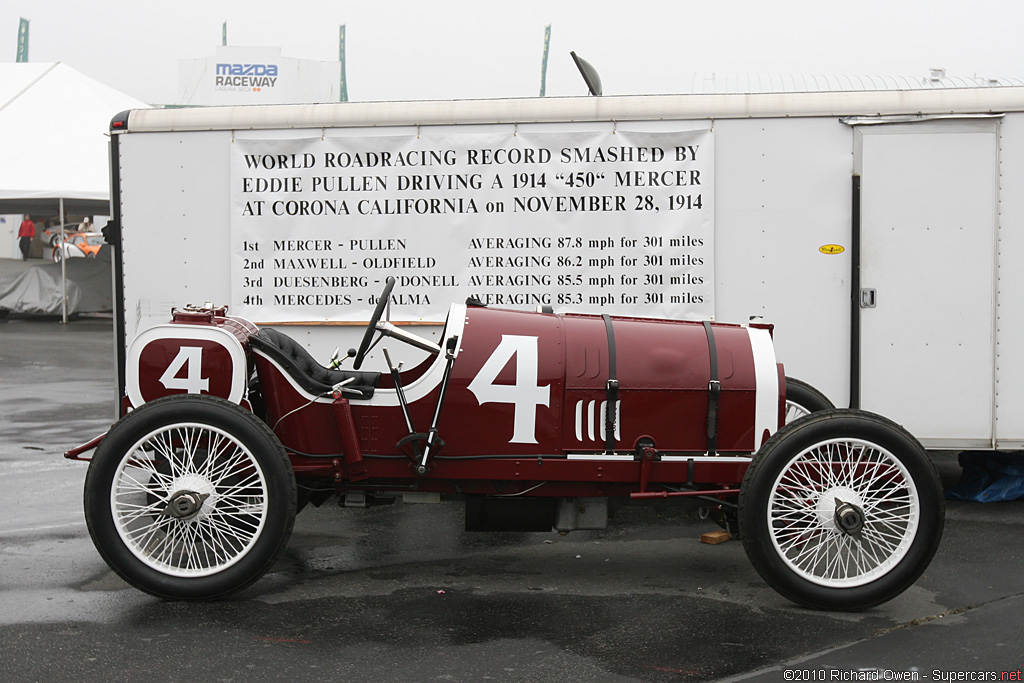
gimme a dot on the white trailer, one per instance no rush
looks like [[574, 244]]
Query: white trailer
[[877, 230]]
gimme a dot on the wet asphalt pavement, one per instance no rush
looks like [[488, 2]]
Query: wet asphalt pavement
[[401, 593]]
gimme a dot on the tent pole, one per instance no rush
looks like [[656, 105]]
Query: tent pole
[[63, 269]]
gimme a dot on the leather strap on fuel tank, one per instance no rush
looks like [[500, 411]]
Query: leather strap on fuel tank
[[611, 388], [714, 391]]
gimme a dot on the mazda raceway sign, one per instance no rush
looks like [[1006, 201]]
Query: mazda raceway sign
[[239, 77]]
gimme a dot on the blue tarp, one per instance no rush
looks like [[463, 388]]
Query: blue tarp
[[989, 477]]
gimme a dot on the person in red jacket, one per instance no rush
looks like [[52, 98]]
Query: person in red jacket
[[25, 234]]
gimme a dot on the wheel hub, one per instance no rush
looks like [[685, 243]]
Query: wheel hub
[[185, 504], [849, 518], [188, 495], [842, 509]]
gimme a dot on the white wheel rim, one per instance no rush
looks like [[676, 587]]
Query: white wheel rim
[[794, 411], [229, 489], [801, 513]]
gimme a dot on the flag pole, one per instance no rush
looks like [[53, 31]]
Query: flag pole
[[22, 41], [544, 61], [343, 91]]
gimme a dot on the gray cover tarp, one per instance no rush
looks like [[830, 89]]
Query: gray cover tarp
[[37, 291], [92, 275]]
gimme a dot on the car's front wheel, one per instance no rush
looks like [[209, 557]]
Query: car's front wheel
[[190, 497], [842, 510]]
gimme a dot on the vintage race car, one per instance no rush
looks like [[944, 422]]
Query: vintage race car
[[535, 420]]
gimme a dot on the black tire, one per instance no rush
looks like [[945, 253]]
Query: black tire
[[842, 510], [803, 399], [211, 527]]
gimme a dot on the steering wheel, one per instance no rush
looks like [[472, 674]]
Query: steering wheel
[[364, 345]]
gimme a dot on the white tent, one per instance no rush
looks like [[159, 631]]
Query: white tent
[[54, 123]]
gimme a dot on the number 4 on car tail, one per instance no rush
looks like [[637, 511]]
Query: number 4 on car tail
[[191, 357]]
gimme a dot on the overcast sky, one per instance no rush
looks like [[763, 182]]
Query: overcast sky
[[411, 49]]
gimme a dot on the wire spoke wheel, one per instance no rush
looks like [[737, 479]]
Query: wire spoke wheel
[[842, 510], [190, 497], [794, 411], [802, 399], [189, 500], [843, 513]]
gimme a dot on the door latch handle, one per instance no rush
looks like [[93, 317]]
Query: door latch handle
[[867, 297]]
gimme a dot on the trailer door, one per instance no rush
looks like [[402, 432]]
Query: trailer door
[[926, 304]]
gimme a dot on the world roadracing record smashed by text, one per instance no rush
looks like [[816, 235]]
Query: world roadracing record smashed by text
[[911, 674]]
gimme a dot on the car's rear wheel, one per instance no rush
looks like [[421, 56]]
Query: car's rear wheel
[[190, 497], [803, 399], [842, 510]]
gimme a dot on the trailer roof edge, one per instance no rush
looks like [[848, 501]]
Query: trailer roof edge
[[565, 109]]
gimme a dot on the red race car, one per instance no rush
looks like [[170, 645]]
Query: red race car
[[534, 419]]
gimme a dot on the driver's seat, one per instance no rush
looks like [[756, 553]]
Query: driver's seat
[[309, 374]]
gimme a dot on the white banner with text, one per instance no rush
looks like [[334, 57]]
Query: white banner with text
[[590, 222]]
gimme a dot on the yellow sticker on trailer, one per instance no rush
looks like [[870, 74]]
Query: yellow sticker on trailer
[[831, 249]]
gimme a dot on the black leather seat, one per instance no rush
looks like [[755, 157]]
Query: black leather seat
[[309, 374]]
